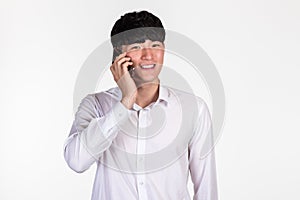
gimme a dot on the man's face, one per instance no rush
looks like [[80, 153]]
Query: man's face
[[147, 60]]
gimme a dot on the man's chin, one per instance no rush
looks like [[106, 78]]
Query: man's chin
[[143, 81]]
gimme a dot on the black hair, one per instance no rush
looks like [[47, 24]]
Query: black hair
[[136, 27]]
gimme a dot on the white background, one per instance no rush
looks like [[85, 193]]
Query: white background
[[254, 45]]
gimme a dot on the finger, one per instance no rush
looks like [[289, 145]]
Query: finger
[[122, 60], [120, 56], [119, 65], [125, 65], [113, 71]]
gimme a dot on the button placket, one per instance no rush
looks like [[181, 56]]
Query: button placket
[[141, 144]]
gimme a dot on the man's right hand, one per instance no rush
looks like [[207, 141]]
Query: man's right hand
[[123, 79]]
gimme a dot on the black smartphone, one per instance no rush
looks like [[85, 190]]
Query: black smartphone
[[130, 67]]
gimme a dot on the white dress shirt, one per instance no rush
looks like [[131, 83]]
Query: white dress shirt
[[144, 153]]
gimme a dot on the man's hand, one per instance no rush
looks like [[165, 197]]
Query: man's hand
[[123, 79]]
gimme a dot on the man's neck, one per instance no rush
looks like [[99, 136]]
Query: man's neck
[[147, 94]]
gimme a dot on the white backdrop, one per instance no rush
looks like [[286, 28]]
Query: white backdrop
[[254, 45]]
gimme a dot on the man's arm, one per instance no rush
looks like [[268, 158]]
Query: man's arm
[[93, 130], [92, 133], [202, 159]]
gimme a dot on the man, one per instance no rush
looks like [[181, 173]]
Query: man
[[144, 137]]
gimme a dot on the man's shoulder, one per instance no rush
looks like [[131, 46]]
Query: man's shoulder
[[111, 93], [109, 96]]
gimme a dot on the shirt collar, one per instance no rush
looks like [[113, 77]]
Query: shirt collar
[[163, 94]]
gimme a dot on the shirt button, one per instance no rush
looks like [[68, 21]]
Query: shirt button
[[141, 159], [141, 183]]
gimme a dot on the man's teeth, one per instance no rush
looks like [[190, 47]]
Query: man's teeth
[[147, 66]]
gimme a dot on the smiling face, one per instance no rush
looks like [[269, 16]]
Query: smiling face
[[147, 60]]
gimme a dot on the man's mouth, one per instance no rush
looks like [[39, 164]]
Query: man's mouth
[[148, 66]]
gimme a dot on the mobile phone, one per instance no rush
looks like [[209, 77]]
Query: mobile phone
[[118, 52], [130, 67]]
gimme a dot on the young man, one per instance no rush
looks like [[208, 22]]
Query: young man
[[144, 137]]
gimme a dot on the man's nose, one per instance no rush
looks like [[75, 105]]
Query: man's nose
[[147, 53]]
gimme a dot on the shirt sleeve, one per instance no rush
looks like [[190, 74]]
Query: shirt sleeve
[[92, 132], [202, 157]]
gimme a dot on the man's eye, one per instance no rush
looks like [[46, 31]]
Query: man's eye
[[156, 45], [135, 47]]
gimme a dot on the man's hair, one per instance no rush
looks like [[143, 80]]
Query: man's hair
[[136, 27]]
